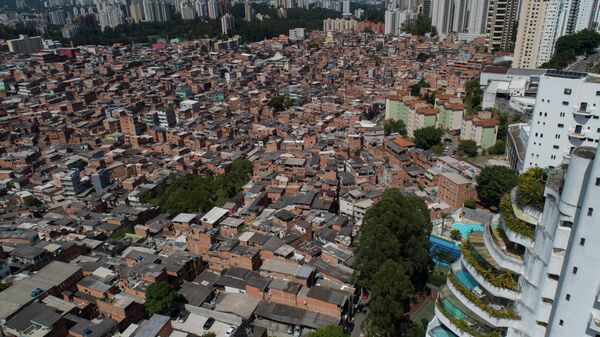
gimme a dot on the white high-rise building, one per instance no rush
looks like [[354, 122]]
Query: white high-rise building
[[541, 23], [469, 17], [213, 9], [227, 23], [394, 19], [566, 115], [533, 271], [201, 8]]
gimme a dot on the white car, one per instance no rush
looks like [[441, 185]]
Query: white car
[[230, 330]]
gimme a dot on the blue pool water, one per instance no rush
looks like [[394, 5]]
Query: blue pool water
[[466, 279], [450, 308], [466, 228], [442, 332]]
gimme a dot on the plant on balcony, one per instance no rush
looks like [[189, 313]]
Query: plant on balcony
[[504, 280], [480, 303], [531, 188], [463, 326], [511, 221]]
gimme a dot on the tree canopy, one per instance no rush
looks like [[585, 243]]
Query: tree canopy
[[328, 331], [427, 137], [391, 293], [392, 258], [144, 32], [493, 182], [473, 96], [467, 147], [531, 188], [421, 25], [391, 126], [568, 47], [160, 297], [193, 193]]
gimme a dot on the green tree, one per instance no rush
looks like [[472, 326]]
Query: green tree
[[568, 47], [422, 57], [470, 203], [328, 331], [468, 147], [531, 188], [160, 297], [209, 334], [498, 148], [395, 228], [428, 136], [493, 182], [455, 235], [415, 89], [437, 149], [193, 193], [391, 293], [473, 96], [5, 285], [391, 126], [421, 25]]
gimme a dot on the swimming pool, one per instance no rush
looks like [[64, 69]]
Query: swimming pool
[[442, 332], [466, 279], [466, 228]]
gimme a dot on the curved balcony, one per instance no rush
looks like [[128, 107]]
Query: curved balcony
[[515, 237], [523, 212], [484, 267], [489, 287], [459, 318], [500, 254], [486, 316]]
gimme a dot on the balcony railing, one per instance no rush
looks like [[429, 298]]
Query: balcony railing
[[460, 322], [499, 254], [485, 315]]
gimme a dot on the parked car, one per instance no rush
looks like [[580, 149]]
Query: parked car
[[297, 331], [183, 316], [290, 330], [230, 330], [209, 322]]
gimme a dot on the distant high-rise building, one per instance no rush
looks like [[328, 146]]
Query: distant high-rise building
[[358, 13], [58, 17], [26, 45], [394, 19], [110, 17], [227, 23], [213, 9], [137, 11], [201, 8], [248, 12], [187, 10], [297, 34], [501, 19], [541, 23], [346, 7]]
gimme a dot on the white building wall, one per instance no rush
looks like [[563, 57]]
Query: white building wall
[[555, 119]]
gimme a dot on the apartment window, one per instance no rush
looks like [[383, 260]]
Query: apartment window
[[597, 93], [582, 241], [553, 277], [565, 103], [597, 181], [575, 270], [568, 297], [561, 125], [567, 91], [590, 211], [561, 322], [556, 147]]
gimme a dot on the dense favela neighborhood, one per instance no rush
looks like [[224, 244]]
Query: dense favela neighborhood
[[316, 168]]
